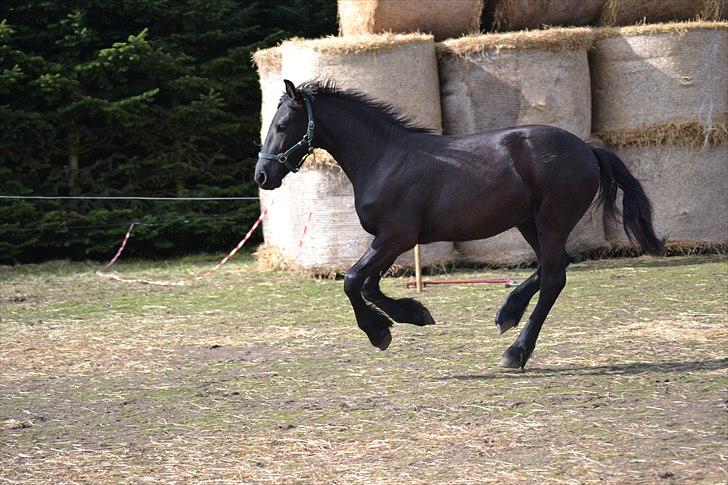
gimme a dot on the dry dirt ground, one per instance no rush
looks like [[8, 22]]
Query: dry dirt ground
[[251, 377]]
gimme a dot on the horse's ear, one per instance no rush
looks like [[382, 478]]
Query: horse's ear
[[291, 90]]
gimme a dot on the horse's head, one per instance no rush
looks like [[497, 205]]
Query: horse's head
[[289, 139]]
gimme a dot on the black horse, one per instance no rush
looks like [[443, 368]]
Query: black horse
[[415, 187]]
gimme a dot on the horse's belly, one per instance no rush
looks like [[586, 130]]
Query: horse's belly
[[478, 215]]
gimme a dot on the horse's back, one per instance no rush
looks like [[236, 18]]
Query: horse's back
[[485, 183]]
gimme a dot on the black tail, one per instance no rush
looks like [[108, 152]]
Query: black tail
[[636, 207]]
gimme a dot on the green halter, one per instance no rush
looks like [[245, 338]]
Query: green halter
[[306, 142]]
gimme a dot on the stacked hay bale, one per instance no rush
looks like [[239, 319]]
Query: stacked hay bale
[[504, 15], [658, 92], [371, 64], [277, 202], [630, 12], [509, 15], [661, 100], [443, 19], [500, 80]]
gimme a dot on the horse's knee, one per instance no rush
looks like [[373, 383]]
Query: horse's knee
[[352, 283]]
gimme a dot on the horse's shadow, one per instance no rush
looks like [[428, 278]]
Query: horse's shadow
[[611, 369]]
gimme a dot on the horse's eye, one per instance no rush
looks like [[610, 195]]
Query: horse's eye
[[281, 127]]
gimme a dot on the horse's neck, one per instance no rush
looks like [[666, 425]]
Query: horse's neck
[[354, 135]]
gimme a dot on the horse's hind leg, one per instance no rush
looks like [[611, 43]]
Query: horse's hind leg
[[553, 263], [515, 304], [401, 310]]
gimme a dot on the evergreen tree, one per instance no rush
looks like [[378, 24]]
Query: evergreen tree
[[144, 97]]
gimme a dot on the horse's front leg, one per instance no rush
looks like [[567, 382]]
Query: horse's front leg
[[374, 323], [401, 310]]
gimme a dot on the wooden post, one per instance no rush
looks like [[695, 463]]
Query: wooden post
[[418, 269]]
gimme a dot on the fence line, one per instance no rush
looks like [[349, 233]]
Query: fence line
[[93, 197], [181, 220]]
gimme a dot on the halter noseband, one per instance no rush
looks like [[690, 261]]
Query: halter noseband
[[305, 142]]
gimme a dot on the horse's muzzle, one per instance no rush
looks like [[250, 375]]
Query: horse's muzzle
[[265, 181], [260, 178]]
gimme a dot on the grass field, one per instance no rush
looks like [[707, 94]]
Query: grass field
[[266, 378]]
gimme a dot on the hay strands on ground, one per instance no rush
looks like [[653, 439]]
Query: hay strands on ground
[[508, 283]]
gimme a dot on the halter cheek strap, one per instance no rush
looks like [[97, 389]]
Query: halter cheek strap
[[305, 143]]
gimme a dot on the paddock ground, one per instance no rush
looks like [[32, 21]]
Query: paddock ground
[[265, 378]]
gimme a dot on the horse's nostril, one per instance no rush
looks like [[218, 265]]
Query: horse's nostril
[[260, 178]]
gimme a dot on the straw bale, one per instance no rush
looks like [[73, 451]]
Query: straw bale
[[501, 80], [320, 158], [443, 19], [713, 10], [397, 69], [671, 76], [688, 190], [510, 249], [534, 14], [628, 12], [662, 28], [268, 62], [691, 134], [554, 39], [277, 202], [372, 64], [277, 227]]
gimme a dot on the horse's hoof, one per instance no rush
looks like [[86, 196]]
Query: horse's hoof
[[514, 358], [507, 362], [426, 318], [506, 320], [386, 340], [504, 324], [412, 312]]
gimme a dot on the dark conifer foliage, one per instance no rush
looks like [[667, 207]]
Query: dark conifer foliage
[[137, 97]]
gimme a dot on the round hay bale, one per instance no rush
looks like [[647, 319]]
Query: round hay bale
[[277, 229], [335, 239], [535, 14], [371, 64], [661, 84], [397, 69], [688, 190], [500, 80], [510, 249], [268, 62], [443, 19], [629, 12]]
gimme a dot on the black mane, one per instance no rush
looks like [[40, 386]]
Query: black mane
[[388, 111]]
